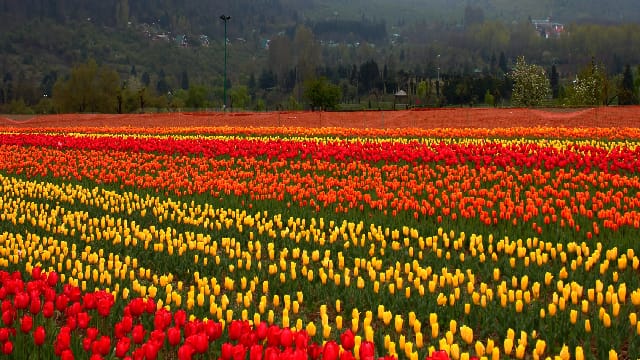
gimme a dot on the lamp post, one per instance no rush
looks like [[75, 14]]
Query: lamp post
[[225, 19]]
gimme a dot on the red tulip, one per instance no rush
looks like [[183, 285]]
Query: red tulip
[[255, 352], [185, 352], [261, 330], [4, 334], [35, 305], [67, 354], [103, 346], [302, 340], [39, 335], [61, 302], [122, 347], [273, 335], [286, 338], [271, 353], [36, 273], [174, 336], [7, 348], [151, 350], [162, 319], [138, 333], [226, 351], [239, 352], [347, 355], [63, 341], [235, 330], [199, 341], [21, 300], [347, 340], [83, 320], [92, 333], [26, 323], [52, 279], [48, 309], [439, 355], [367, 350], [213, 329], [180, 318], [104, 306], [331, 351], [314, 351]]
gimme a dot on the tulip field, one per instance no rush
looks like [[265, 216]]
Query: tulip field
[[237, 242]]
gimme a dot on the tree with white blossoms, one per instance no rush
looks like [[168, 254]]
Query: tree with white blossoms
[[590, 87], [530, 84]]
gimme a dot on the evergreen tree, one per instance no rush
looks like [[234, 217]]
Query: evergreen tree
[[554, 82], [184, 80], [627, 94]]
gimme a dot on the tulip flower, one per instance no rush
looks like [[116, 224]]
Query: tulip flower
[[330, 351], [347, 340]]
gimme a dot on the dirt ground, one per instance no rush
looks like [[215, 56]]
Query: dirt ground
[[628, 116]]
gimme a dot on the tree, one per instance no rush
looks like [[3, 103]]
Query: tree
[[239, 96], [590, 87], [321, 93], [530, 84], [626, 93], [89, 88], [554, 81]]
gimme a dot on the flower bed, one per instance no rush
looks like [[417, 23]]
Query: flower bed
[[247, 243]]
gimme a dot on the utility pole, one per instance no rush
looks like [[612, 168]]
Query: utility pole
[[225, 19]]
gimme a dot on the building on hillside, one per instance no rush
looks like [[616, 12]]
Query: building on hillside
[[547, 28]]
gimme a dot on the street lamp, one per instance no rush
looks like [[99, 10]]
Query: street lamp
[[225, 19]]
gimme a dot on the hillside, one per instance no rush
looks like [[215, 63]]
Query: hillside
[[168, 45]]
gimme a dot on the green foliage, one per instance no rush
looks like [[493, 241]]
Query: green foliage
[[530, 84], [239, 96], [90, 88], [321, 93]]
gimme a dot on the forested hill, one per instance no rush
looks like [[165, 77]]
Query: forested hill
[[163, 47]]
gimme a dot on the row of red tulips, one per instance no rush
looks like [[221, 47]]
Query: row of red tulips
[[37, 311], [488, 153]]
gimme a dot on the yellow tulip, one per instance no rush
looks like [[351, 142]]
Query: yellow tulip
[[508, 346], [613, 355], [579, 353]]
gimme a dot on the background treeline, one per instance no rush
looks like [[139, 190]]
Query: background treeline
[[277, 48]]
